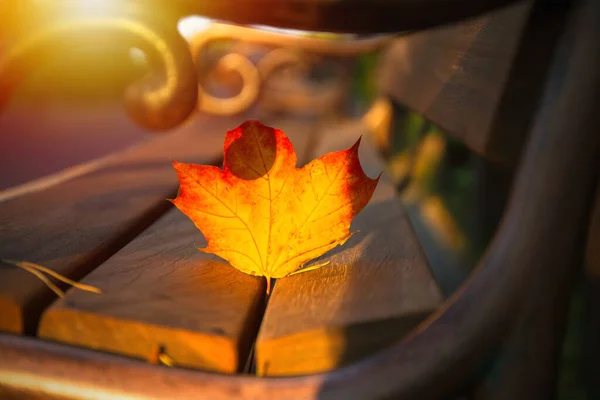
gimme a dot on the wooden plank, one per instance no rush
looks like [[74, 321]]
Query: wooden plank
[[377, 287], [159, 291], [74, 226], [479, 80]]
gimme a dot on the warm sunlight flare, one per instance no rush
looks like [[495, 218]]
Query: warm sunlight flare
[[93, 8], [82, 8], [190, 26]]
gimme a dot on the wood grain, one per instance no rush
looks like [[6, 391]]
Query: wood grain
[[74, 226], [161, 292], [478, 80], [377, 288]]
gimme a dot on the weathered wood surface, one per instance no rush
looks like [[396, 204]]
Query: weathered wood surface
[[377, 288], [478, 80], [161, 292], [74, 226], [36, 369]]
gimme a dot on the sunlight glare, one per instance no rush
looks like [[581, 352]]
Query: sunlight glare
[[190, 26], [92, 8], [137, 56]]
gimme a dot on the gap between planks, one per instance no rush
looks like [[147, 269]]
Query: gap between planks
[[160, 292], [377, 288]]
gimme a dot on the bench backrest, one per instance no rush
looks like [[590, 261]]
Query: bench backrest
[[478, 80]]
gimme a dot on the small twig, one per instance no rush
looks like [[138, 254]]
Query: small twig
[[39, 271], [43, 278]]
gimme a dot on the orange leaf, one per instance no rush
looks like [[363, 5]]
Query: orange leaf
[[264, 215]]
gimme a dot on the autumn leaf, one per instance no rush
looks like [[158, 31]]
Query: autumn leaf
[[264, 215]]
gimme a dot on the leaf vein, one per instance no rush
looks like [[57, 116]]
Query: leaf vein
[[331, 212], [308, 251], [215, 215], [237, 252], [239, 218], [316, 205], [324, 195]]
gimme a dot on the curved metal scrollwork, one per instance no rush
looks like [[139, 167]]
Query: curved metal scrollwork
[[284, 50], [161, 100], [168, 94], [232, 62]]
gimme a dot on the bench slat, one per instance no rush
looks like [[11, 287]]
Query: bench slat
[[161, 292], [377, 287], [479, 79], [75, 225]]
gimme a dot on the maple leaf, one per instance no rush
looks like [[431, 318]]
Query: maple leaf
[[264, 215]]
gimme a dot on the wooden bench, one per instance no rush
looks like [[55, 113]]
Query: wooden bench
[[372, 324]]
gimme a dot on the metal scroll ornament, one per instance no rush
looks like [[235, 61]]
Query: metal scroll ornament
[[259, 57], [180, 74]]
